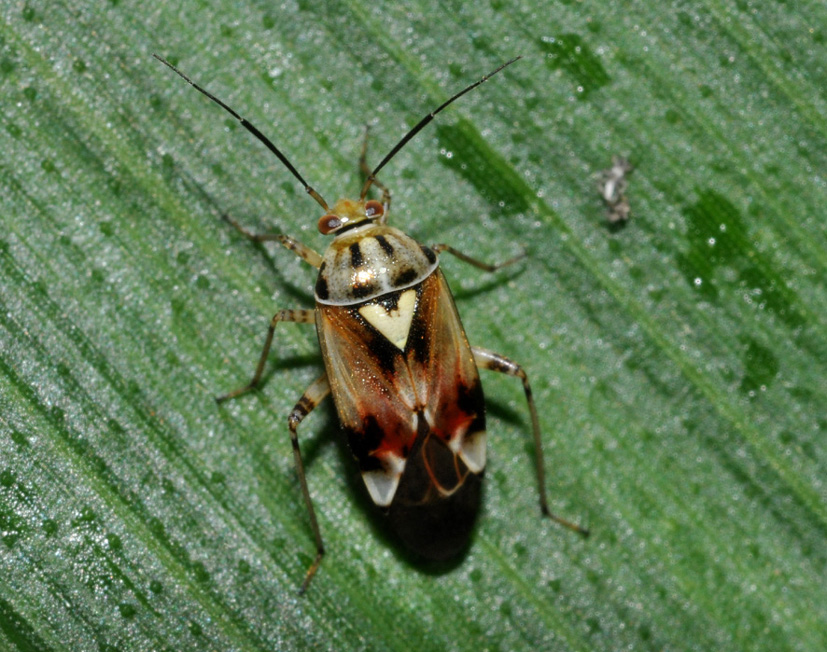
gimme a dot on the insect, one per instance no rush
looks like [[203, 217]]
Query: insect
[[397, 363], [612, 189]]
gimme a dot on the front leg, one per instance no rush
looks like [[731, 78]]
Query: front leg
[[296, 316], [304, 252], [486, 359]]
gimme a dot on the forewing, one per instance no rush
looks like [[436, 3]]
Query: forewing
[[445, 374], [373, 393]]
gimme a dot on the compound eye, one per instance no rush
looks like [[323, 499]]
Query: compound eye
[[374, 209], [329, 224]]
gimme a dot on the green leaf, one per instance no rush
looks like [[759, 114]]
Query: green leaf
[[678, 361]]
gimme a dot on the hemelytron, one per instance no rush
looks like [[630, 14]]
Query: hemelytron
[[397, 363]]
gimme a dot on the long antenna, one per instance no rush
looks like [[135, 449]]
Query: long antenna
[[253, 130], [413, 132]]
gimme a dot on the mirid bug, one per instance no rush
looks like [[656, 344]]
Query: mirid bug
[[398, 364]]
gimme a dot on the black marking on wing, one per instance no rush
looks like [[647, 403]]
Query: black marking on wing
[[418, 337], [382, 350], [364, 442], [472, 401]]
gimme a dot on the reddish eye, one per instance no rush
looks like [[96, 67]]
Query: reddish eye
[[329, 223], [374, 208]]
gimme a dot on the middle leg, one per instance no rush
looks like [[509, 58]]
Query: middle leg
[[308, 255], [296, 316]]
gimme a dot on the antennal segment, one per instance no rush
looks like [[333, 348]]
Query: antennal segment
[[422, 123], [253, 130]]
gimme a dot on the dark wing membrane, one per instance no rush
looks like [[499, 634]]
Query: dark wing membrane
[[431, 522]]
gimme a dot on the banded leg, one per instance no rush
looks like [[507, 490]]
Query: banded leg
[[304, 252], [363, 166], [473, 261], [314, 395], [486, 359], [296, 316]]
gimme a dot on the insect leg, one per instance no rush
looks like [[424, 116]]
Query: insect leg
[[473, 261], [363, 166], [304, 252], [309, 400], [296, 316], [486, 359]]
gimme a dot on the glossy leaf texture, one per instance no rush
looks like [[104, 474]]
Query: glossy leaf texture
[[678, 362]]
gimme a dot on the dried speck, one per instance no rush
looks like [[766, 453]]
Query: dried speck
[[612, 189]]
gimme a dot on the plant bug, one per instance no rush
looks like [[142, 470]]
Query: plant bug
[[397, 362]]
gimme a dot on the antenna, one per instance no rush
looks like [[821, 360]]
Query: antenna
[[413, 132], [253, 130]]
